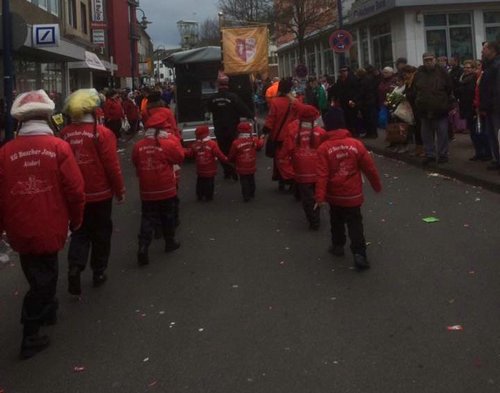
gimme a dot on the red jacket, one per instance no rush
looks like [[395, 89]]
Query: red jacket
[[206, 152], [96, 156], [302, 151], [278, 109], [244, 153], [131, 110], [161, 118], [41, 189], [341, 159], [113, 109], [154, 159]]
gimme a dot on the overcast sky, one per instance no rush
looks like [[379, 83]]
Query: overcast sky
[[164, 15]]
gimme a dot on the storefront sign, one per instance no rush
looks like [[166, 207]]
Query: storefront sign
[[93, 61], [98, 37], [361, 9], [340, 41], [46, 35], [98, 11]]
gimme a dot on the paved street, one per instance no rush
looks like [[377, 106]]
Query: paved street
[[253, 302]]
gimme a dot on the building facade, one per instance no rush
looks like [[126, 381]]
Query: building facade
[[384, 30]]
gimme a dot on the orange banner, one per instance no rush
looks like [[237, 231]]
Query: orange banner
[[244, 50]]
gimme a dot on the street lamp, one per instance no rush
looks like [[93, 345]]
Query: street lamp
[[134, 37], [158, 53]]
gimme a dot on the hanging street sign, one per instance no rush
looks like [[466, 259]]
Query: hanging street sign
[[340, 41]]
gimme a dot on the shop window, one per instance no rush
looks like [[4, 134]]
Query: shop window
[[328, 55], [382, 45], [365, 49], [449, 35], [492, 25], [43, 4], [54, 7]]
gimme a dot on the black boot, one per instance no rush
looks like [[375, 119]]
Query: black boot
[[361, 262], [74, 285], [171, 244], [50, 315], [33, 344], [142, 256], [98, 279]]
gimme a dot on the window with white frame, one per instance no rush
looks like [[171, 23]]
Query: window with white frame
[[382, 45], [72, 14], [52, 6], [492, 25], [449, 35]]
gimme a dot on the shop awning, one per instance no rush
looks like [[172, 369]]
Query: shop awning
[[93, 61]]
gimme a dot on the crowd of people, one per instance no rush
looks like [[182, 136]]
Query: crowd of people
[[68, 178]]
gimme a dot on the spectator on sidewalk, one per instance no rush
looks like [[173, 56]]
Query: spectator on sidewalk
[[345, 92], [489, 97], [433, 88]]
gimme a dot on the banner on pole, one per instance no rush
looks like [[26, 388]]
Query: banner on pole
[[244, 49]]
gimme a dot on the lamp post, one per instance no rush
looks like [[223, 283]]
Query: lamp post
[[158, 60], [134, 37], [340, 24], [8, 75]]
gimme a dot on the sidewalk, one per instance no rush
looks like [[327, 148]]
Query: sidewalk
[[459, 166]]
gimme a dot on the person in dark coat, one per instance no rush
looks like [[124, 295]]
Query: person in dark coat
[[227, 109], [368, 100], [345, 92]]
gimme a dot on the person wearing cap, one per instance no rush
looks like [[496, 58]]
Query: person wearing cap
[[94, 147], [243, 153], [154, 158], [433, 100], [206, 152], [113, 112], [227, 109], [41, 194], [156, 106], [282, 112], [341, 161], [302, 139]]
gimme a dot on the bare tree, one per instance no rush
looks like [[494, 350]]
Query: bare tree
[[247, 10], [301, 17], [209, 32]]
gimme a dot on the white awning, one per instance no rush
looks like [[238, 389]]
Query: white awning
[[93, 61]]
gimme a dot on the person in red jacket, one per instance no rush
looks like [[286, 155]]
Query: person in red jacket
[[131, 112], [156, 106], [94, 147], [243, 153], [206, 152], [154, 157], [341, 160], [113, 112], [302, 140], [283, 110], [41, 191]]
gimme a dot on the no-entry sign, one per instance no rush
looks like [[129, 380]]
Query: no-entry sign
[[340, 41]]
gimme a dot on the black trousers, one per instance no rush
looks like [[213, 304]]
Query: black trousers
[[115, 126], [205, 188], [247, 186], [225, 143], [40, 301], [94, 236], [157, 214], [370, 118], [306, 192], [341, 216]]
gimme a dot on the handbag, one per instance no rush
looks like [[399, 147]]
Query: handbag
[[396, 132], [125, 125], [273, 144], [404, 112]]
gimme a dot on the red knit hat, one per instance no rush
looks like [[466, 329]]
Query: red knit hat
[[202, 132], [245, 128], [157, 120], [308, 112]]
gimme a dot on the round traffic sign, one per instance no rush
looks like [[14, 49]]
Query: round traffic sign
[[340, 41]]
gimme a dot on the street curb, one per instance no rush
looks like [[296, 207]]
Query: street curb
[[441, 169]]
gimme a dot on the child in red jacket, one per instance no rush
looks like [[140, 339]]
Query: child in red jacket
[[302, 139], [243, 153], [206, 152], [341, 159], [154, 158]]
